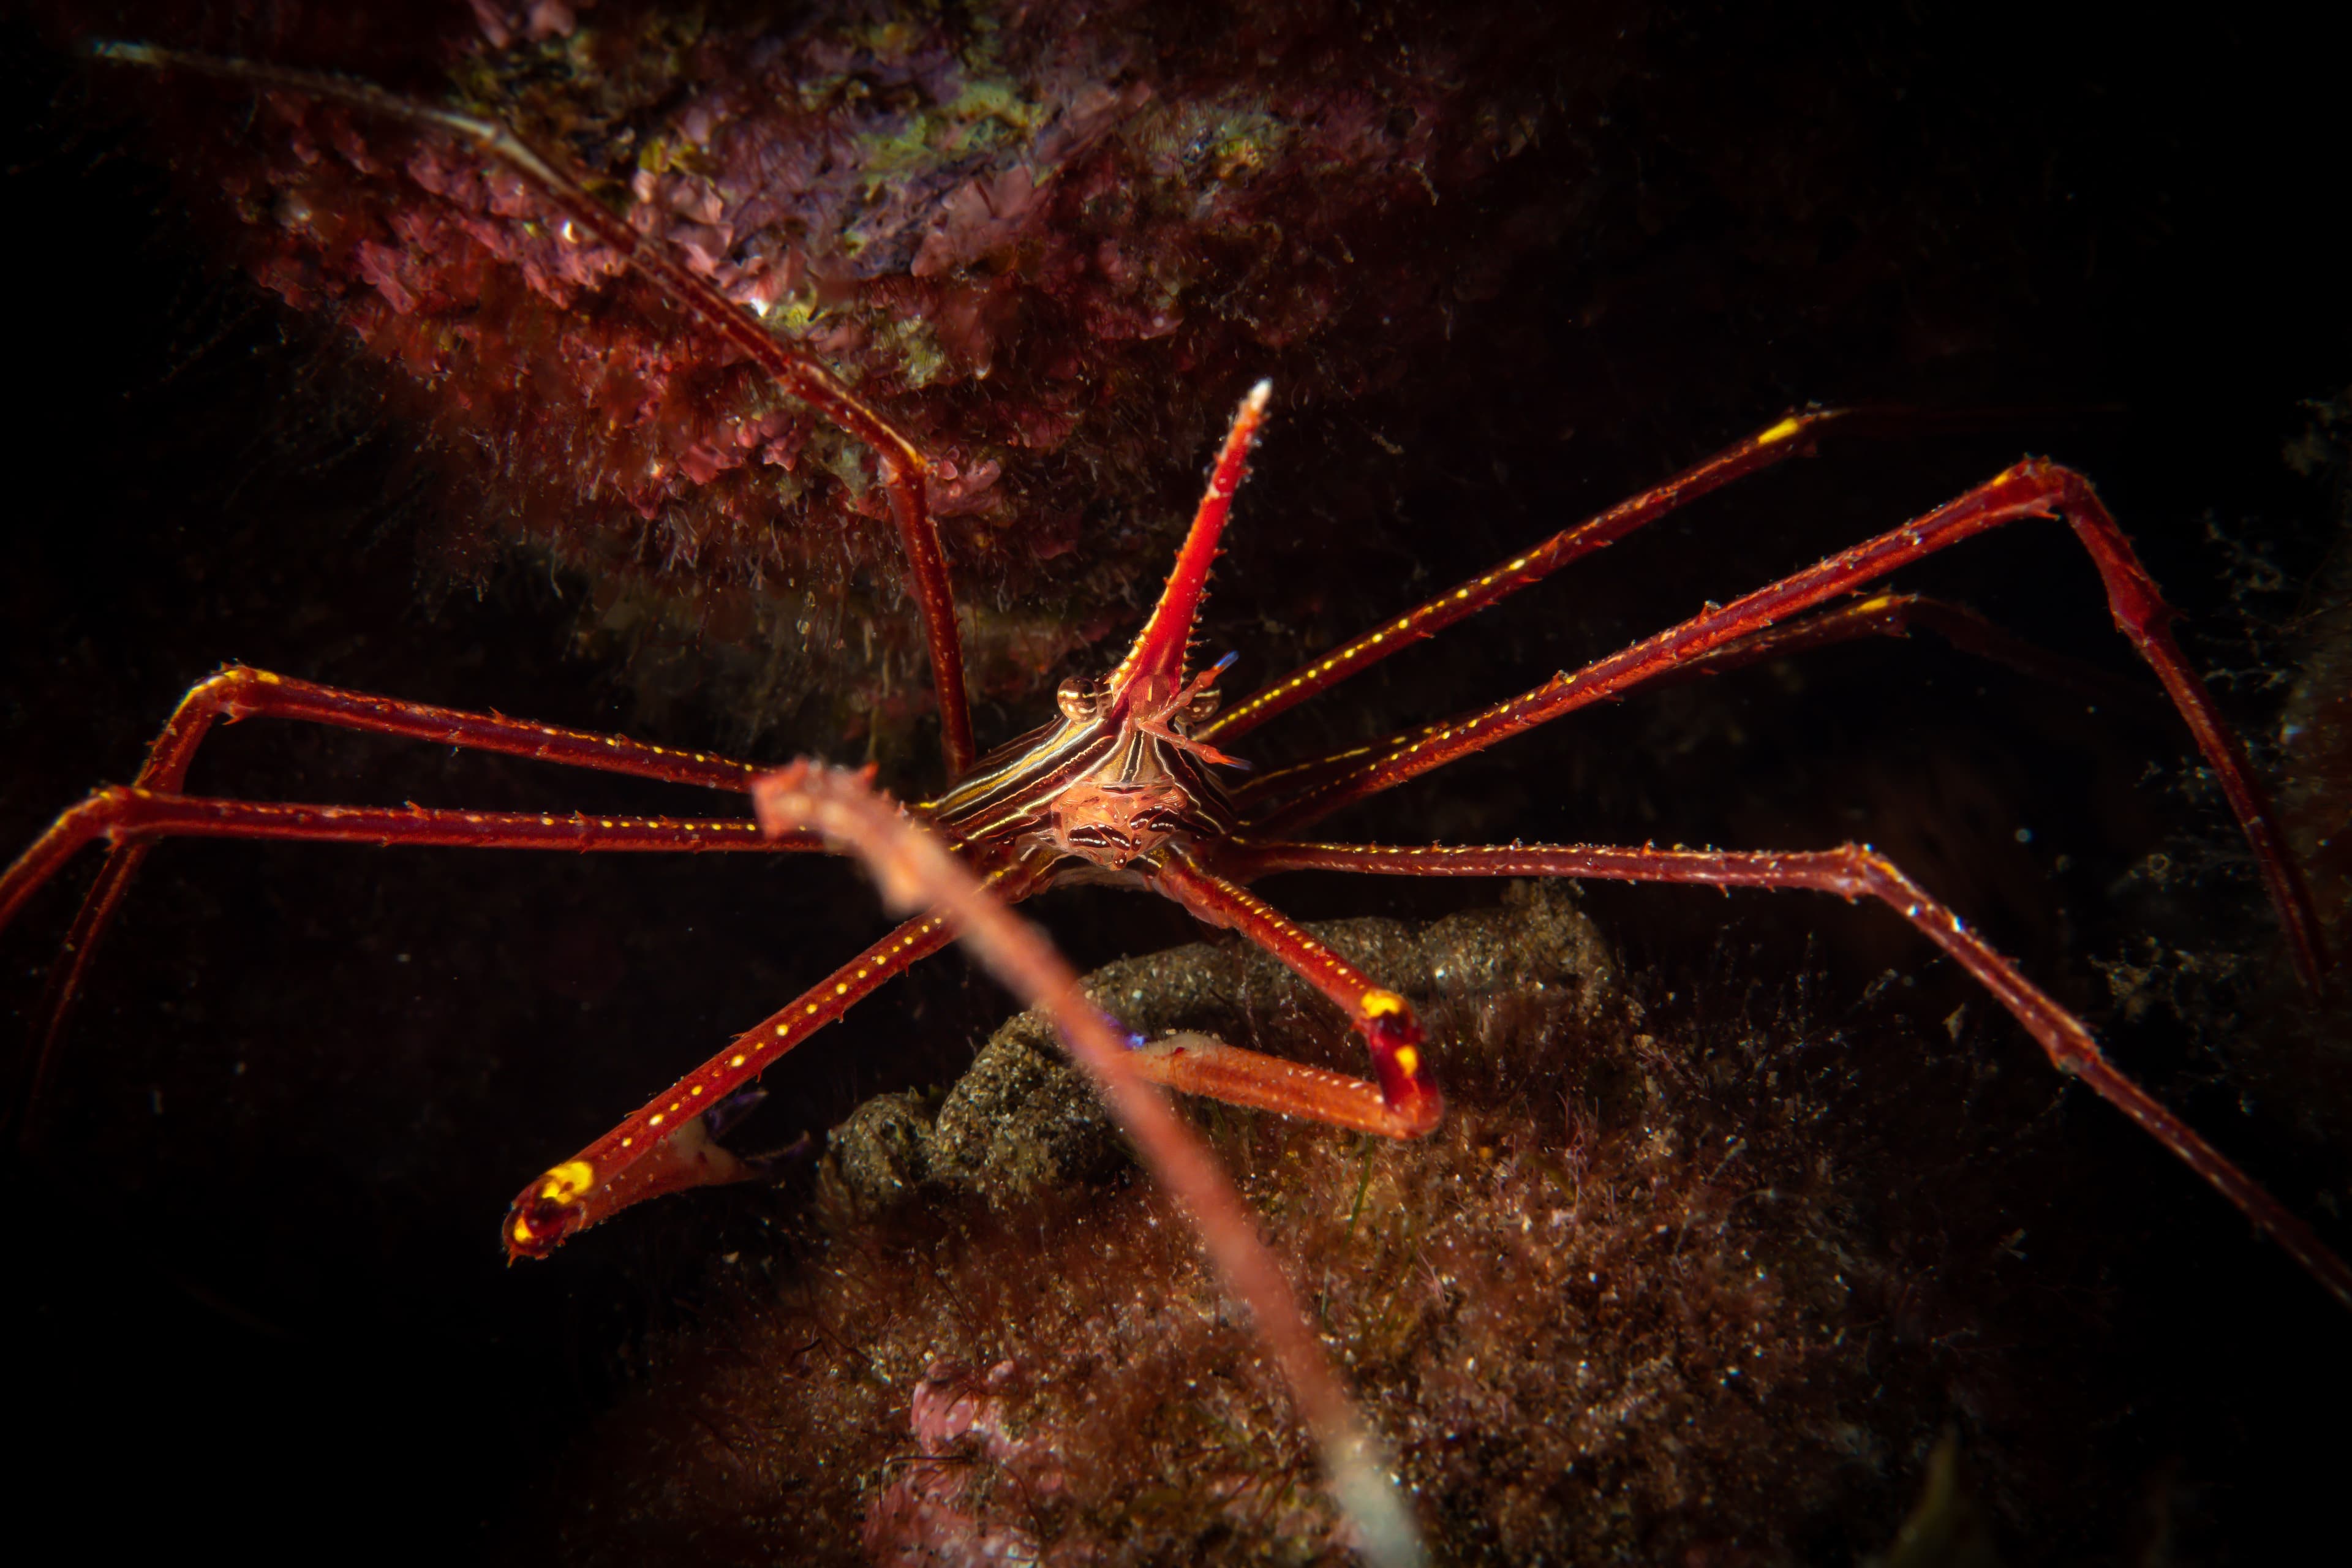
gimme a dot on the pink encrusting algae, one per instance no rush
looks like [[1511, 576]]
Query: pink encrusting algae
[[1047, 240]]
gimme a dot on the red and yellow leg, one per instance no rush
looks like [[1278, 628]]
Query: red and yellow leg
[[1871, 615], [1772, 445], [1791, 436], [1402, 1103], [138, 817], [1851, 871], [664, 1147], [131, 820], [237, 693], [1887, 614]]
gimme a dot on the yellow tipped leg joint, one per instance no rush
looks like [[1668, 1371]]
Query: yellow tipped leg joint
[[549, 1210], [567, 1182], [1395, 1036], [533, 1229]]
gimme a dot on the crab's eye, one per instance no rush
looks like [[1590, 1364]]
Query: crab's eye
[[1078, 697]]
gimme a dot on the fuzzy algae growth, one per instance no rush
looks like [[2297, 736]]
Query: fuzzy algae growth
[[1616, 1307]]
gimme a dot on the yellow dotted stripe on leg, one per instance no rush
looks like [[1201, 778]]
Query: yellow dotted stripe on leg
[[1781, 432], [1408, 1060], [1382, 1004], [568, 1181]]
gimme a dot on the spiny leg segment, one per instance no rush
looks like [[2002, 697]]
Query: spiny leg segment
[[1850, 872]]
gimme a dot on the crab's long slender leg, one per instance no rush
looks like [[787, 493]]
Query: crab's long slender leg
[[1790, 437], [661, 1148], [1875, 614], [1189, 1063], [1793, 435], [237, 692], [132, 820], [134, 815], [1889, 615], [1405, 1104], [916, 869], [902, 465], [2033, 489], [1850, 872]]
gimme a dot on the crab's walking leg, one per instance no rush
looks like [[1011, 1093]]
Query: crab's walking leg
[[136, 816], [132, 819], [663, 1148], [903, 467], [1793, 435], [1873, 614], [1790, 437], [1895, 616], [1403, 1104], [237, 692], [915, 869], [2033, 489], [1853, 872]]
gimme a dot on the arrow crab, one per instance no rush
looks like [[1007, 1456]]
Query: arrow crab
[[1145, 801]]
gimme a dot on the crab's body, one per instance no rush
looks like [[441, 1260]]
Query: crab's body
[[1093, 793]]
